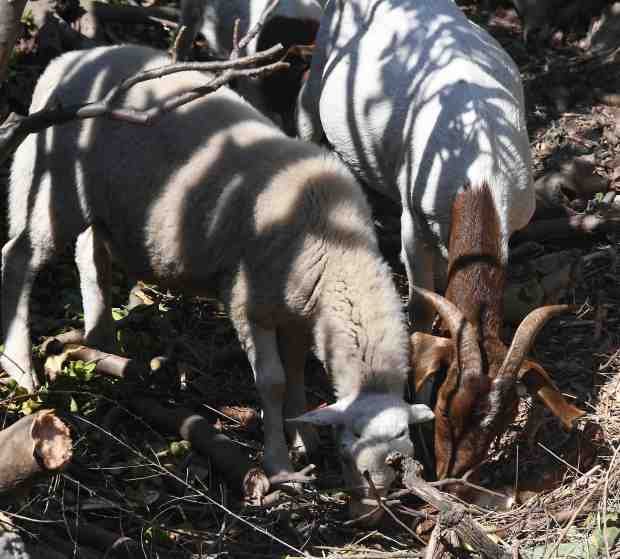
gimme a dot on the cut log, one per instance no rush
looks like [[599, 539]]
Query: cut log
[[36, 444], [227, 457], [106, 364]]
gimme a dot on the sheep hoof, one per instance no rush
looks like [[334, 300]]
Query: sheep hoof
[[26, 379]]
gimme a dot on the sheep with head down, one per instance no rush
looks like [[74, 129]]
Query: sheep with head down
[[427, 108], [213, 198]]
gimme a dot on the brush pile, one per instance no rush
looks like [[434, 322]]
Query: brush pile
[[135, 487]]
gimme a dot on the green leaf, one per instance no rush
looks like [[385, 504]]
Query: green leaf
[[82, 370], [31, 405], [179, 449], [73, 406], [118, 313]]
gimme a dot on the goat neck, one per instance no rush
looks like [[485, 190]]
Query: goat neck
[[477, 260]]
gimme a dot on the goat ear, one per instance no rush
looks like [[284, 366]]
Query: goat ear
[[420, 413], [333, 414], [538, 383], [428, 355]]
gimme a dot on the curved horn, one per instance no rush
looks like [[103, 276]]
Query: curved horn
[[526, 334], [462, 331]]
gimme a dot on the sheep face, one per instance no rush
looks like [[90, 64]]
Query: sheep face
[[369, 428]]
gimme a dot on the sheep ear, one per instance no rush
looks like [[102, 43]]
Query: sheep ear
[[334, 414], [428, 355], [420, 413], [538, 383]]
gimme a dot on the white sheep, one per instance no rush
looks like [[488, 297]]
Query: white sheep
[[214, 198], [420, 102]]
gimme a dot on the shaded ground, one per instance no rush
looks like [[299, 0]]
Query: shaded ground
[[118, 479]]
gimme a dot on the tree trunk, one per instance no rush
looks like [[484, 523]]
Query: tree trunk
[[10, 24]]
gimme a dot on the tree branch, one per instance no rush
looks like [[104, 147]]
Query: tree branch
[[452, 515], [16, 129]]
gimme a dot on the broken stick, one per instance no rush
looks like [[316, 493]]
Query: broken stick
[[452, 515], [38, 443]]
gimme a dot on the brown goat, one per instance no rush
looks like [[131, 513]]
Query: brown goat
[[479, 399]]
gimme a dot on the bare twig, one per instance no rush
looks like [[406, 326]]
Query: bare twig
[[382, 505], [16, 128], [433, 543], [574, 515], [179, 40], [256, 29], [605, 493], [302, 476], [463, 481]]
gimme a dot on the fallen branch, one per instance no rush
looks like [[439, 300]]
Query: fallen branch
[[107, 364], [38, 443], [239, 46], [226, 456], [17, 128], [452, 515], [568, 227], [56, 344]]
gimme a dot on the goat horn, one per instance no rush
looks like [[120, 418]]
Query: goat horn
[[526, 334], [461, 330]]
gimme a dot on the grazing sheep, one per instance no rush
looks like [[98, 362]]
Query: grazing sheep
[[426, 107], [213, 197]]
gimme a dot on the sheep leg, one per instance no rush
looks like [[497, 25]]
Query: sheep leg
[[20, 265], [418, 259], [93, 262], [294, 344], [308, 121], [262, 350]]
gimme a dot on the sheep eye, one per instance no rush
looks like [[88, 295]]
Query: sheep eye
[[357, 434], [402, 434]]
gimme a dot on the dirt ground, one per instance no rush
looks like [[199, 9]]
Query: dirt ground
[[133, 489]]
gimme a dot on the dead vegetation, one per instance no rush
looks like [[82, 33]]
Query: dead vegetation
[[135, 488]]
